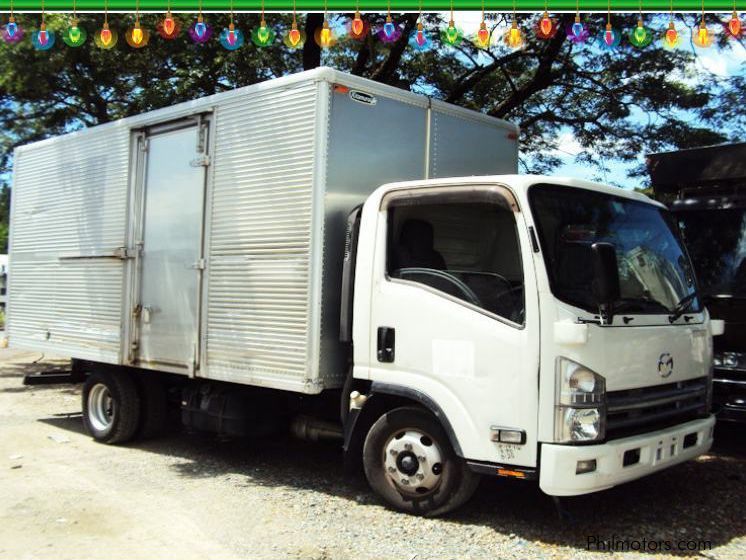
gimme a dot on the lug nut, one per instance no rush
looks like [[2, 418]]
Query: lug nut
[[408, 446], [394, 452], [405, 481], [421, 458], [392, 470], [420, 476]]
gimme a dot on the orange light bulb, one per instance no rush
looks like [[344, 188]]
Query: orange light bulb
[[357, 24], [734, 25], [546, 24], [326, 35], [169, 25], [106, 35]]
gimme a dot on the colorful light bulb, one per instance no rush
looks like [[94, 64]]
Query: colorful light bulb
[[388, 27], [514, 38], [577, 33], [702, 38], [577, 27], [263, 35], [609, 35], [357, 26], [200, 32], [671, 38], [169, 27], [43, 40], [231, 38], [11, 31], [75, 35], [324, 36], [136, 36], [419, 39], [546, 24], [482, 38], [294, 38], [734, 26], [105, 38], [452, 35], [640, 36]]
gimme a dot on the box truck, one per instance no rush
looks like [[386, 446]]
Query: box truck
[[331, 255], [706, 191]]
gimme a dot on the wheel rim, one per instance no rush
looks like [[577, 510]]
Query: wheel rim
[[413, 462], [100, 407]]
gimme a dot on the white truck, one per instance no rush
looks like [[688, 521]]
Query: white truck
[[235, 258]]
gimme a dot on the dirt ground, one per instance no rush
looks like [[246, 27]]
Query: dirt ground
[[189, 496]]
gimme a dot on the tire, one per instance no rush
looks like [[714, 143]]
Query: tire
[[154, 408], [436, 485], [111, 407]]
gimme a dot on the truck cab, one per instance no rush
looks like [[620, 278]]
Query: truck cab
[[551, 328], [705, 189]]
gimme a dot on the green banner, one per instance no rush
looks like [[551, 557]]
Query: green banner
[[377, 5]]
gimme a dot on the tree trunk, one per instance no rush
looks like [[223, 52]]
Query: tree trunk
[[311, 51]]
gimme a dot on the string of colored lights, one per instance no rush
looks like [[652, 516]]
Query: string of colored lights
[[359, 27]]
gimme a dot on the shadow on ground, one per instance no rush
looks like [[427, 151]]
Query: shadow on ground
[[703, 500]]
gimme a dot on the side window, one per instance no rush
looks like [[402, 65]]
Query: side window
[[468, 250]]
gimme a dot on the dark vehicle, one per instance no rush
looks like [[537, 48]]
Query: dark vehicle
[[706, 190]]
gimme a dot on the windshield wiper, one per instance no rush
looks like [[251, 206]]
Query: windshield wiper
[[682, 306]]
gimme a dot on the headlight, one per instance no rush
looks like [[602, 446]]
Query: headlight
[[580, 407], [730, 360]]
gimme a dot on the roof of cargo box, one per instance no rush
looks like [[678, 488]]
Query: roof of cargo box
[[722, 164], [203, 104]]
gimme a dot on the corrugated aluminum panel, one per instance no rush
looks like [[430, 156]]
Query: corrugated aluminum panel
[[258, 269], [69, 202]]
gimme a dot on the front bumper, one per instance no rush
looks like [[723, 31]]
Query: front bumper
[[657, 451]]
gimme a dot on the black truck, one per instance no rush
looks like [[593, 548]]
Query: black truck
[[706, 190]]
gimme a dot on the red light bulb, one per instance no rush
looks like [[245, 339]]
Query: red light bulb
[[546, 24], [357, 25]]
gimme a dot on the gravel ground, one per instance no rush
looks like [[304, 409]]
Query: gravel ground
[[64, 496]]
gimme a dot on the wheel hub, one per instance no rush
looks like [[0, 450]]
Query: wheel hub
[[413, 462], [100, 407]]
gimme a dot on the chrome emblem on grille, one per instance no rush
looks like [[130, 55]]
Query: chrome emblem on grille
[[665, 364]]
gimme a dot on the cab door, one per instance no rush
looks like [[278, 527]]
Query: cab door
[[454, 312]]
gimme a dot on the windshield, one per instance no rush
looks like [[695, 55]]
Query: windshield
[[654, 270], [716, 240]]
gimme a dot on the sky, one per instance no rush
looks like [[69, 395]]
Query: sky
[[721, 63]]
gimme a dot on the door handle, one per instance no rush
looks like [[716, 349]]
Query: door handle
[[386, 343]]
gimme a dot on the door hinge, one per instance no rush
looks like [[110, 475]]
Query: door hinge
[[199, 265], [201, 161], [144, 144]]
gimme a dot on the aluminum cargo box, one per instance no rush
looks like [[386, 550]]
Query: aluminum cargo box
[[207, 238]]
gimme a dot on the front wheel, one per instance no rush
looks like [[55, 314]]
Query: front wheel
[[410, 463]]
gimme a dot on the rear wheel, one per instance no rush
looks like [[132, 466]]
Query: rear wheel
[[410, 463], [111, 407]]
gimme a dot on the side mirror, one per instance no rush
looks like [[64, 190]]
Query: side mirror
[[606, 288]]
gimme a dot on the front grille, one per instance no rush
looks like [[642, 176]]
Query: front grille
[[636, 411]]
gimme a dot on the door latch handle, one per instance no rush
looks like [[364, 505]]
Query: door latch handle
[[386, 343]]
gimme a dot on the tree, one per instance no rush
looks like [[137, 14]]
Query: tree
[[615, 104]]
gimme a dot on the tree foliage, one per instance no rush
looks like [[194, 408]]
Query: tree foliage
[[616, 105]]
